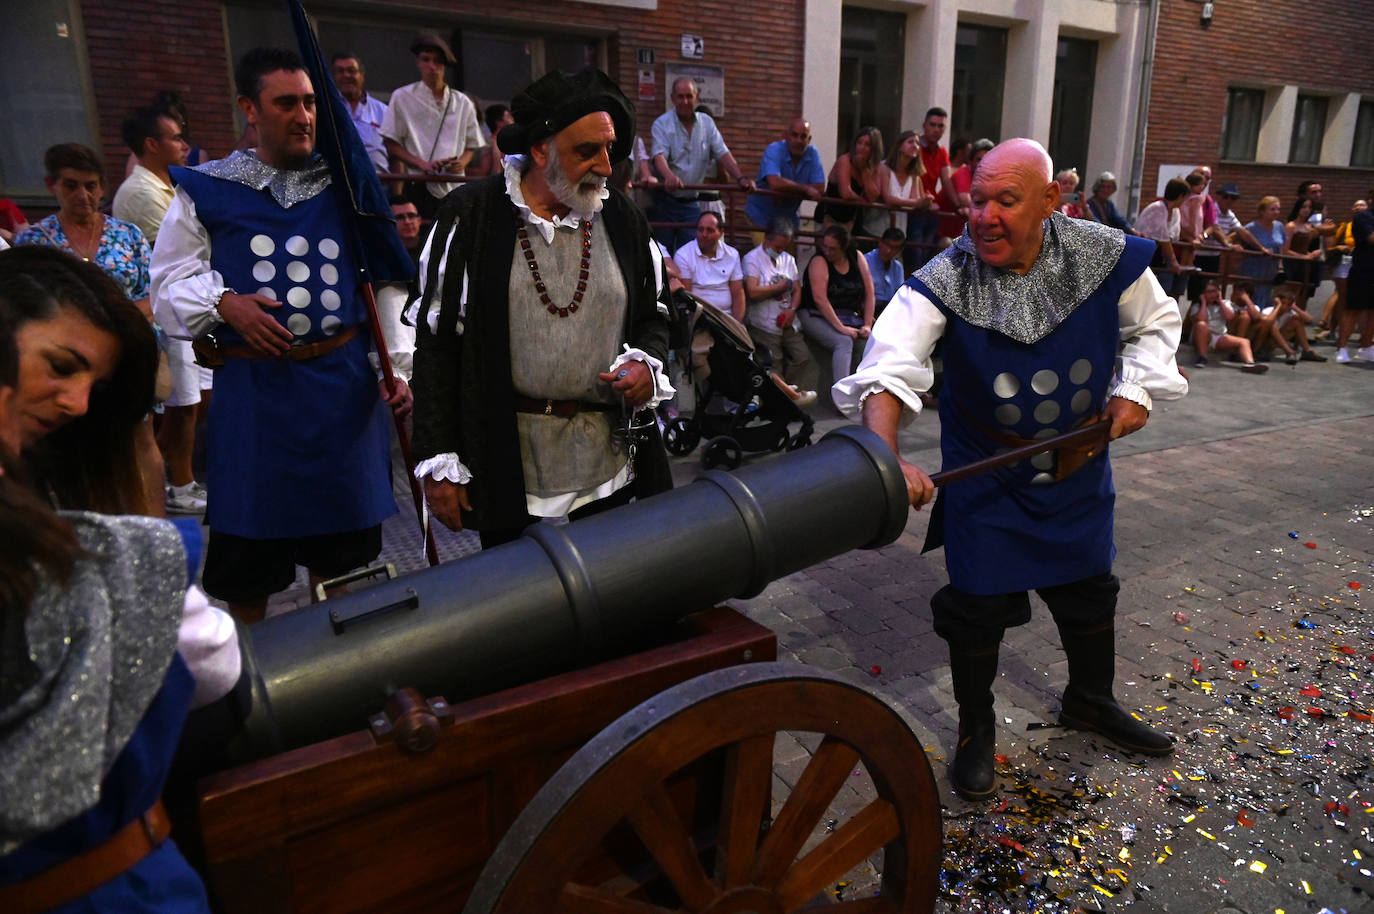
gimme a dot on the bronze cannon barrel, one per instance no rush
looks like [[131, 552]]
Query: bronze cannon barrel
[[564, 596]]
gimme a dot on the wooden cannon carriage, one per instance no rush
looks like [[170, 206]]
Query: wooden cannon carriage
[[550, 726]]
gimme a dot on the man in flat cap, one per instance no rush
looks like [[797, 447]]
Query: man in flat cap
[[429, 127], [541, 324]]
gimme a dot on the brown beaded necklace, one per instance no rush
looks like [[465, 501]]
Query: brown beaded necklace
[[583, 271]]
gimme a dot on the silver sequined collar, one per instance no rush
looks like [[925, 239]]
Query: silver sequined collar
[[99, 647], [1075, 258], [288, 186]]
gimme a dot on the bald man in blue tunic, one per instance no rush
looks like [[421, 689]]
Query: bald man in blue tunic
[[1047, 323]]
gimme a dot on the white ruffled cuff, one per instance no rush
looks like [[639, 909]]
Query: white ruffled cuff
[[444, 467], [662, 389], [1129, 390]]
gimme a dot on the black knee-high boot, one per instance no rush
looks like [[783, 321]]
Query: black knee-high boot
[[973, 672], [1088, 700]]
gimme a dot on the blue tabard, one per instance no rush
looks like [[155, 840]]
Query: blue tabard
[[296, 448], [1015, 528]]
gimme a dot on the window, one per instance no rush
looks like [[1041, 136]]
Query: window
[[980, 70], [1309, 127], [47, 97], [1362, 153], [1071, 117], [1240, 130], [871, 62]]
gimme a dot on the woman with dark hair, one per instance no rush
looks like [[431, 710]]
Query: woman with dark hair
[[837, 301], [854, 176], [1302, 241], [87, 360], [103, 649], [75, 176]]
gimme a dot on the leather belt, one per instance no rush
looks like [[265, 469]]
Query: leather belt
[[211, 354], [563, 409], [82, 874]]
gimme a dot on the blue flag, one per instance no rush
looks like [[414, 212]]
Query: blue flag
[[381, 254]]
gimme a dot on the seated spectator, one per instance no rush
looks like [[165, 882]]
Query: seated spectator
[[1286, 321], [837, 301], [1210, 331], [790, 166], [1101, 206], [1272, 239], [710, 269], [885, 267], [1071, 202], [1160, 222], [900, 176], [854, 176], [772, 287], [492, 159], [1247, 313]]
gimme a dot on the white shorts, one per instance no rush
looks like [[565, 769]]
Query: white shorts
[[186, 386]]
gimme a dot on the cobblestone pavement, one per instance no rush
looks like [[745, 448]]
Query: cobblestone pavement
[[1245, 536]]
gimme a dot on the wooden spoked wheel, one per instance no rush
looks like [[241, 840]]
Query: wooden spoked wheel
[[629, 778]]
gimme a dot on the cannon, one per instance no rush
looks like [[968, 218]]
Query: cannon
[[572, 722]]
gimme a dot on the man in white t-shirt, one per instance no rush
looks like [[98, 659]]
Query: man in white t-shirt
[[429, 127], [711, 269], [771, 286]]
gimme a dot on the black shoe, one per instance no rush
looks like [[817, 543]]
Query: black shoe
[[1309, 356], [1102, 715], [1291, 358], [971, 773]]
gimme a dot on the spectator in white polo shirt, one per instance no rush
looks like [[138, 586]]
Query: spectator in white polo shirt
[[711, 268], [429, 127]]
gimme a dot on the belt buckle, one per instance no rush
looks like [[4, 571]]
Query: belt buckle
[[548, 407], [149, 828]]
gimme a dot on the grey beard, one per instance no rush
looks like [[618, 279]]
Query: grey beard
[[584, 198]]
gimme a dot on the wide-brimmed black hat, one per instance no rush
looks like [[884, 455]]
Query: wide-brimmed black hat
[[556, 100]]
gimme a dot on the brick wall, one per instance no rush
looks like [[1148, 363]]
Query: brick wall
[[137, 47], [1253, 42]]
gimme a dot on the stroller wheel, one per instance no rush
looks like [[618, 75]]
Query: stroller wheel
[[681, 436], [784, 439], [798, 441], [722, 452]]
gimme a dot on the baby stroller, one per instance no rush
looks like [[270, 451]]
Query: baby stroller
[[739, 405]]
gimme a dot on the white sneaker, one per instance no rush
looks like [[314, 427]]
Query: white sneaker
[[1366, 353], [1342, 355], [199, 490], [183, 500]]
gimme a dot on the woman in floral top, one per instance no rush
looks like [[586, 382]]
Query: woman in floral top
[[75, 177]]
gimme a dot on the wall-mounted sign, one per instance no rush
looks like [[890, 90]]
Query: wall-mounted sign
[[693, 46], [647, 91], [710, 82]]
